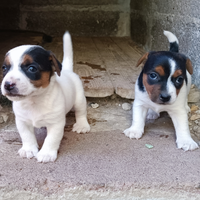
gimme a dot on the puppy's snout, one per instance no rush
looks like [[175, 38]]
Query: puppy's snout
[[9, 86], [165, 97]]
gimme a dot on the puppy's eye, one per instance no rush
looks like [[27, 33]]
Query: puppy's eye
[[153, 76], [32, 69], [179, 80], [4, 68]]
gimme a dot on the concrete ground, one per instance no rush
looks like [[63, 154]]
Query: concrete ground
[[103, 164]]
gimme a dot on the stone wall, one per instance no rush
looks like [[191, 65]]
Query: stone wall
[[145, 19], [150, 18], [83, 18]]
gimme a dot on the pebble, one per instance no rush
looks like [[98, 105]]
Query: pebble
[[195, 128], [194, 108], [194, 117], [5, 117], [197, 112], [126, 106], [94, 105], [196, 122]]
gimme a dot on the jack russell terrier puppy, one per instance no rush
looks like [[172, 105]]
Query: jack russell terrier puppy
[[163, 85], [41, 97]]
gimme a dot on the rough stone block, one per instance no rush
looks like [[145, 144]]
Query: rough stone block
[[93, 23], [139, 28], [69, 2]]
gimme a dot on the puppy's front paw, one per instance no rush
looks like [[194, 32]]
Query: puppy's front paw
[[187, 144], [46, 156], [29, 152], [152, 115], [133, 132], [81, 127]]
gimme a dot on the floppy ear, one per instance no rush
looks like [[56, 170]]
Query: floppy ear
[[189, 66], [56, 65], [143, 59]]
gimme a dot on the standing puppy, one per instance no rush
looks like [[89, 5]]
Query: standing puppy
[[163, 85], [42, 98]]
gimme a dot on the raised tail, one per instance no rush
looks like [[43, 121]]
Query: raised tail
[[67, 63], [174, 44]]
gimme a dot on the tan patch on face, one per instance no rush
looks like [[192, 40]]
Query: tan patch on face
[[175, 75], [160, 70], [27, 60], [152, 90], [7, 61], [44, 81]]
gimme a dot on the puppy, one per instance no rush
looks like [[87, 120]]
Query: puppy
[[163, 85], [41, 97]]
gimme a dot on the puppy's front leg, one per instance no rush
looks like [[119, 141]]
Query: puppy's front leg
[[183, 137], [29, 143], [49, 150], [139, 115]]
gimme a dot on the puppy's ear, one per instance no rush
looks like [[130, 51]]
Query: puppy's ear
[[56, 65], [143, 59], [189, 66]]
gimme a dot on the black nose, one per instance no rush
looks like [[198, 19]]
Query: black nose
[[165, 97], [9, 86]]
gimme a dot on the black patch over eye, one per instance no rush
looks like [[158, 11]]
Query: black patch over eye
[[153, 76], [179, 80], [5, 69], [32, 69]]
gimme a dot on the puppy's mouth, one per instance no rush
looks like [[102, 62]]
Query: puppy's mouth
[[14, 95]]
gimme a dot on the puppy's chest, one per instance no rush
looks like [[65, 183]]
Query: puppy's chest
[[35, 114]]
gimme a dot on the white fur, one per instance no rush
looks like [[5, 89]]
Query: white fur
[[46, 107], [171, 90], [170, 36], [177, 109]]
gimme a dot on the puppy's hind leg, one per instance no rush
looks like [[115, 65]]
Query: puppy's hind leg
[[152, 114], [80, 107]]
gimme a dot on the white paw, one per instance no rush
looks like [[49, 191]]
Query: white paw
[[187, 144], [133, 132], [81, 127], [46, 156], [28, 152], [152, 114]]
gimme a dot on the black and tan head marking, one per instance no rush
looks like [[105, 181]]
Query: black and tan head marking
[[158, 68], [39, 65]]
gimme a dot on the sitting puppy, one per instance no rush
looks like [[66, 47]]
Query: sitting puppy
[[163, 85], [41, 98]]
